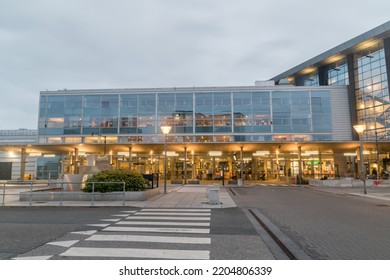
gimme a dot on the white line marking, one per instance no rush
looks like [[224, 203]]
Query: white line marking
[[98, 225], [33, 258], [153, 239], [147, 229], [130, 212], [65, 244], [120, 215], [163, 223], [174, 210], [86, 232], [136, 253], [168, 218], [110, 220], [171, 214]]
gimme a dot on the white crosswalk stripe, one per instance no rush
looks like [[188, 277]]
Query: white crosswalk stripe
[[171, 214], [137, 253], [152, 229], [176, 210], [169, 218], [147, 223], [140, 235], [151, 239]]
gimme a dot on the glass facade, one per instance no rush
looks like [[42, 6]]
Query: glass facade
[[196, 116], [337, 74], [372, 94], [369, 84]]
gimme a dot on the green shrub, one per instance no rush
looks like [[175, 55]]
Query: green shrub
[[133, 180]]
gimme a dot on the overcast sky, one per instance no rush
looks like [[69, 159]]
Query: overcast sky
[[86, 44]]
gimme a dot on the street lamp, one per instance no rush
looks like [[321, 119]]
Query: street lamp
[[165, 130], [360, 129], [377, 150], [105, 141]]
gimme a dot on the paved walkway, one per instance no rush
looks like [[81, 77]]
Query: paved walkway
[[379, 193], [196, 196], [188, 196]]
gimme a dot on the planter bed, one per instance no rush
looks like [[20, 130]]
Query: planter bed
[[82, 196]]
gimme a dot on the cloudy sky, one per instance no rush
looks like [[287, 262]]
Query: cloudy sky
[[79, 44]]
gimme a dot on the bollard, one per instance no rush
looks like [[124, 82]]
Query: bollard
[[3, 194], [62, 188], [31, 189], [93, 190], [124, 193], [214, 195]]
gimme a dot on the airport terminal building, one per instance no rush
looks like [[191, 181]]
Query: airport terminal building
[[298, 123]]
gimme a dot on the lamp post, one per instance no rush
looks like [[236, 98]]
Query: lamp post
[[105, 141], [377, 150], [165, 130], [360, 129]]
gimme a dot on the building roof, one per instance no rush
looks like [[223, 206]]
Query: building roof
[[366, 40]]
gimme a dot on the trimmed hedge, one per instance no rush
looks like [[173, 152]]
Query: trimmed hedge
[[134, 181]]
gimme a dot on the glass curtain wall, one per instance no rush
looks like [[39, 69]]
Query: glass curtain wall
[[372, 94], [100, 114], [194, 117], [338, 74]]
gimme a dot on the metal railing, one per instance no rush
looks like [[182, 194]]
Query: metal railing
[[53, 191], [13, 189]]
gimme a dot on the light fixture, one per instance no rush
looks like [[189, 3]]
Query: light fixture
[[260, 153], [360, 129], [165, 130], [215, 153]]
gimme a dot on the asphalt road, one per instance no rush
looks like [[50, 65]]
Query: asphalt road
[[25, 228], [25, 231], [325, 225]]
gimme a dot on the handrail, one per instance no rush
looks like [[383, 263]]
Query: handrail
[[33, 187]]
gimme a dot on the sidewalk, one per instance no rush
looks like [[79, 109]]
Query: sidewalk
[[379, 193], [188, 196], [194, 196]]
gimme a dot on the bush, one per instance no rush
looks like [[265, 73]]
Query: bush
[[133, 181]]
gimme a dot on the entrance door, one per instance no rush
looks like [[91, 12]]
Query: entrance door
[[5, 170]]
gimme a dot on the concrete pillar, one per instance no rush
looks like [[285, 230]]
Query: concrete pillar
[[353, 166], [76, 161], [172, 163], [300, 161], [185, 165], [254, 168], [213, 169], [193, 165], [277, 165], [341, 162], [23, 161], [130, 158], [71, 162], [151, 162], [320, 163], [242, 163]]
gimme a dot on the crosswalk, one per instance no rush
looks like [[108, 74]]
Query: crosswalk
[[141, 234], [278, 185]]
